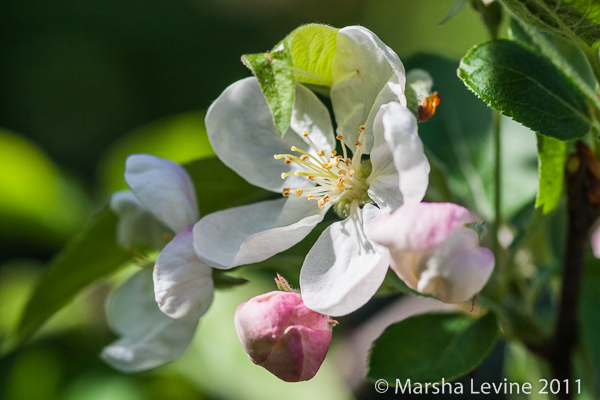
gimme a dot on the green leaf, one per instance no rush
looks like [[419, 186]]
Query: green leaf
[[90, 255], [312, 47], [225, 281], [552, 157], [218, 187], [456, 7], [429, 347], [576, 20], [525, 85], [275, 73], [590, 318]]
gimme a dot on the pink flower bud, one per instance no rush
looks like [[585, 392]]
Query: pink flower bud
[[433, 252], [282, 335]]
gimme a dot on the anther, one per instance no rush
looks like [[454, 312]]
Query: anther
[[299, 192], [362, 128], [286, 192], [351, 173], [288, 160], [321, 153], [303, 157], [310, 196], [347, 162], [358, 143], [333, 153], [305, 133], [342, 172], [311, 178], [339, 137]]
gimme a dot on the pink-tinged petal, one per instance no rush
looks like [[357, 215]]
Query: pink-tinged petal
[[401, 134], [366, 74], [418, 227], [148, 337], [164, 188], [433, 252], [282, 335], [343, 270], [596, 242], [241, 130], [456, 269], [137, 226], [253, 233], [183, 284]]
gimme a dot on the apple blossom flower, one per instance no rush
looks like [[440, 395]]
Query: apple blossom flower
[[433, 251], [162, 203], [381, 162], [282, 335]]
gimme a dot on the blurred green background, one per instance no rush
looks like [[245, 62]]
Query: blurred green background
[[85, 83]]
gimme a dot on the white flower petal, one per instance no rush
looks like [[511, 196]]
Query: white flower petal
[[253, 233], [164, 188], [343, 270], [383, 189], [456, 269], [136, 226], [241, 130], [183, 284], [149, 338], [366, 74], [400, 132], [310, 115], [383, 180]]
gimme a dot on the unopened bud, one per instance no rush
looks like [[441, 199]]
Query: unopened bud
[[282, 335]]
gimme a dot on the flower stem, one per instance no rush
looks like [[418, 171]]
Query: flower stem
[[497, 185]]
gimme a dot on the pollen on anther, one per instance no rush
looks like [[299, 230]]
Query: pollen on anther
[[311, 178], [288, 160], [299, 192], [347, 162], [351, 173], [362, 128], [339, 137], [286, 192], [310, 196], [321, 153], [303, 157], [305, 133], [342, 172], [333, 153], [358, 143]]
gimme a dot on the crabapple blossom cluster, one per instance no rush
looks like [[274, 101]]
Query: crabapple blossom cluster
[[372, 173]]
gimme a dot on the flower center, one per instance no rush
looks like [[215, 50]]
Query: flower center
[[339, 179]]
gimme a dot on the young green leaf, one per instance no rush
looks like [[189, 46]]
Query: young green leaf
[[90, 255], [275, 73], [577, 20], [525, 85], [312, 47], [429, 347], [552, 156]]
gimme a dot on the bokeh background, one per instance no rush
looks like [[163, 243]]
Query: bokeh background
[[85, 83]]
